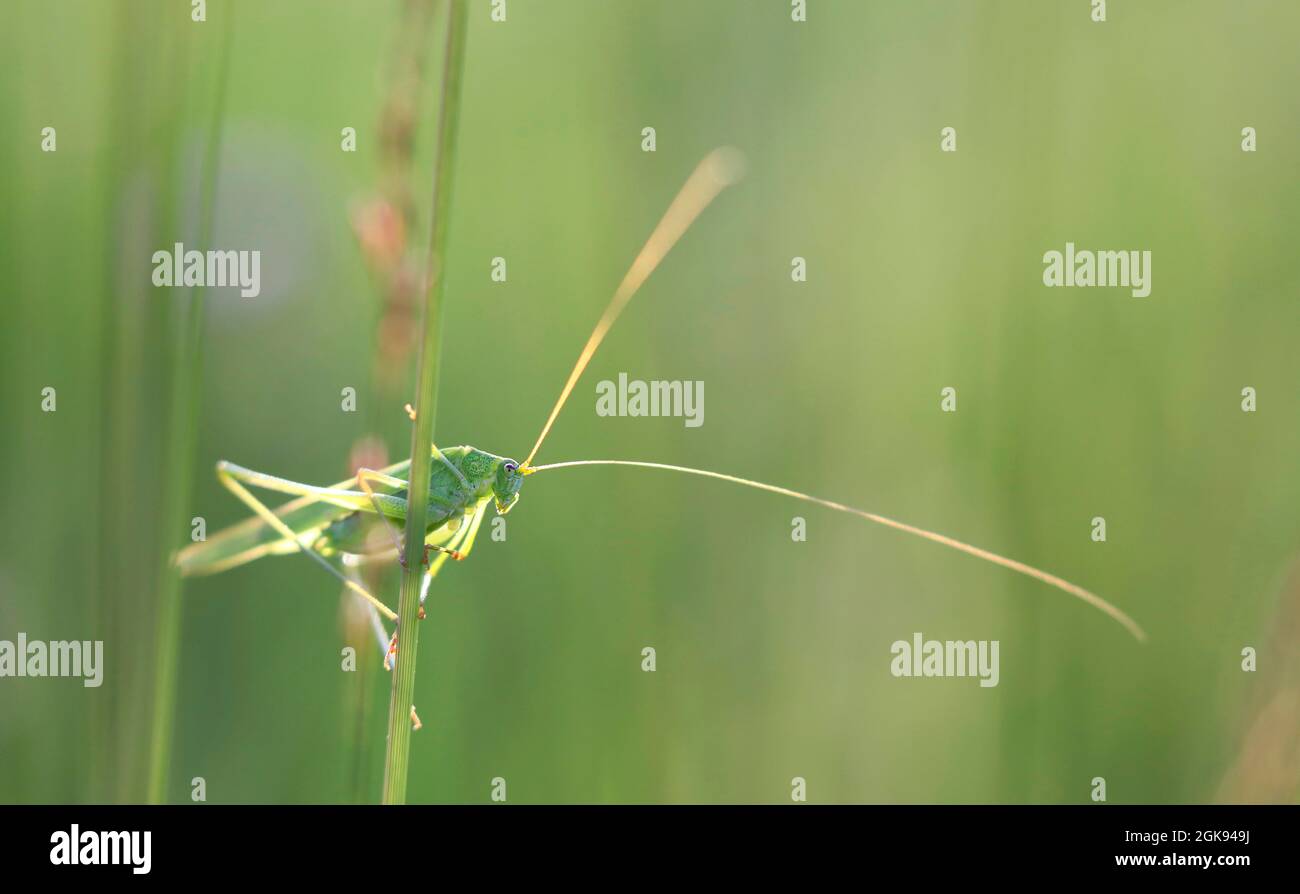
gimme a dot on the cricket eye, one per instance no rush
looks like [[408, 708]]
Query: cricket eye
[[511, 467]]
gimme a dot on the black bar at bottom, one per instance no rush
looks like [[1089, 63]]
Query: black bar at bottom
[[377, 846]]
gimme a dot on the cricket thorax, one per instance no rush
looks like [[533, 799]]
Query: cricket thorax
[[485, 475], [478, 467], [488, 475]]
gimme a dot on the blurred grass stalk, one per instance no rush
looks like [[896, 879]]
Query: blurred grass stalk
[[186, 365], [399, 709], [381, 225], [147, 98]]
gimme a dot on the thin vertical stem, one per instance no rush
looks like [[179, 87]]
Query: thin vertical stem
[[399, 709], [182, 436]]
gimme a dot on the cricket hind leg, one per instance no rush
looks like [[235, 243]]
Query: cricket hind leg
[[230, 476], [387, 646], [344, 499]]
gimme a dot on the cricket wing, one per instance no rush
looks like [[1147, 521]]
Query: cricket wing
[[253, 538]]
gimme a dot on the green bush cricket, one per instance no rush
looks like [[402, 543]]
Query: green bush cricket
[[328, 522]]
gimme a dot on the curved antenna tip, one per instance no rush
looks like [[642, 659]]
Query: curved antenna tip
[[727, 164]]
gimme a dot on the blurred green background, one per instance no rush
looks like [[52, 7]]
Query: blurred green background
[[924, 272]]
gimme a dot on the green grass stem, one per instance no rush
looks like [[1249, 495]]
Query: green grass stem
[[181, 443], [399, 708]]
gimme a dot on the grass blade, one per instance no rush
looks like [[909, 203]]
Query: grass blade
[[399, 708], [182, 427]]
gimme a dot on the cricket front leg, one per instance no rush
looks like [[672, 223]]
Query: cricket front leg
[[458, 548]]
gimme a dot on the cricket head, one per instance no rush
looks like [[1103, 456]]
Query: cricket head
[[506, 484]]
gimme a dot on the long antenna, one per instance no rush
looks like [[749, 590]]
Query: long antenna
[[1050, 579], [719, 169]]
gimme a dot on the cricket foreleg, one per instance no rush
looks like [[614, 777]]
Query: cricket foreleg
[[449, 552], [387, 645], [458, 548], [469, 532], [229, 477], [452, 549]]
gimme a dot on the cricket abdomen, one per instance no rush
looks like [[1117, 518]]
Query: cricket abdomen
[[352, 532]]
